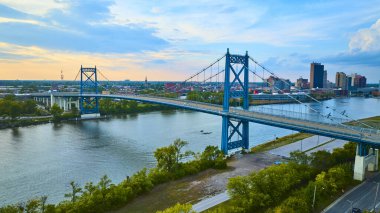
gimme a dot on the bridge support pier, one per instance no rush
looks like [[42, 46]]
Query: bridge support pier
[[235, 127], [365, 159], [374, 165]]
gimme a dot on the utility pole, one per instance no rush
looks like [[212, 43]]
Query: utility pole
[[374, 201], [315, 190]]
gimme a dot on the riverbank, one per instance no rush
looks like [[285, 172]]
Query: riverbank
[[194, 188], [68, 117], [261, 156]]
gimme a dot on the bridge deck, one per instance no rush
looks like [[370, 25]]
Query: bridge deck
[[335, 130]]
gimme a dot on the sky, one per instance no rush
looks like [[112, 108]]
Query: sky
[[170, 40]]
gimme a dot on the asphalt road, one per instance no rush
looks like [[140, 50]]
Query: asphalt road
[[210, 202], [362, 197]]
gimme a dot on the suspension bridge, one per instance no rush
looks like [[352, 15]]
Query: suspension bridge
[[233, 77]]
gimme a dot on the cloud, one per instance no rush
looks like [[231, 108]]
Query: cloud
[[40, 7], [355, 58], [366, 39], [83, 27]]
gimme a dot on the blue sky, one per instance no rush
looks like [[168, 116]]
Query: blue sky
[[170, 40]]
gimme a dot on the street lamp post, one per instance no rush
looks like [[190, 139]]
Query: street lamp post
[[315, 190], [351, 202], [374, 201]]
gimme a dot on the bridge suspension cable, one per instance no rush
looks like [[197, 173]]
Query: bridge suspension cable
[[342, 113], [197, 74], [311, 108]]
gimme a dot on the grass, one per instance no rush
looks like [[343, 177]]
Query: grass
[[371, 121], [280, 142]]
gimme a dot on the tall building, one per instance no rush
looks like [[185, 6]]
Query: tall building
[[317, 75], [341, 80], [325, 82]]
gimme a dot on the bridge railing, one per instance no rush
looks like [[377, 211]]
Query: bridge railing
[[304, 117], [372, 133]]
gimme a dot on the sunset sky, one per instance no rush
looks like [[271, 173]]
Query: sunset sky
[[170, 40]]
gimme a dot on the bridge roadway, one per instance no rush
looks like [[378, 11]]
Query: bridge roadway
[[334, 130]]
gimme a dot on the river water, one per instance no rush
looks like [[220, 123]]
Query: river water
[[43, 159]]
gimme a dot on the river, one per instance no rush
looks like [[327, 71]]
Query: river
[[43, 159]]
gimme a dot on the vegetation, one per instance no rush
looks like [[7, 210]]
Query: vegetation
[[212, 97], [12, 108], [105, 196], [178, 208], [290, 187], [109, 107], [277, 142]]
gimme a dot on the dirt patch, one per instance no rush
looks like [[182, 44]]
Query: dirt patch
[[194, 188]]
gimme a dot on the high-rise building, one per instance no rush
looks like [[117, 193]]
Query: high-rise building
[[325, 82], [341, 80], [318, 75]]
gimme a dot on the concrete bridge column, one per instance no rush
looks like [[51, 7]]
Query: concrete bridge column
[[365, 159], [359, 168], [61, 104], [373, 165], [64, 102], [360, 163], [52, 100]]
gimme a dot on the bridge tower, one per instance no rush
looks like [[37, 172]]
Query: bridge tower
[[88, 85], [234, 127]]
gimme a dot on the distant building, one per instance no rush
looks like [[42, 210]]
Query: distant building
[[317, 75], [360, 81], [357, 81], [278, 84], [325, 82], [302, 83], [341, 80]]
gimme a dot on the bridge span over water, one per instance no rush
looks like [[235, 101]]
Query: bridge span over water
[[235, 121], [279, 118]]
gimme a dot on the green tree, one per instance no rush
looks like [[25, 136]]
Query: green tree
[[299, 157], [132, 105], [178, 208], [168, 158], [321, 160], [33, 206], [56, 111], [75, 190], [212, 157], [14, 109]]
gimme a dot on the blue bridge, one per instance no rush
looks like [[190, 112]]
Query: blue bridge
[[235, 120]]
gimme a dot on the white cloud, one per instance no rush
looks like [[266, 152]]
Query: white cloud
[[207, 21], [8, 20], [39, 7], [366, 40]]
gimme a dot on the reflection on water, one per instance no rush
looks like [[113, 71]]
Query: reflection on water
[[42, 160]]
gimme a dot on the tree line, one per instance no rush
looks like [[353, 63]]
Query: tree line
[[289, 187], [172, 163], [110, 107], [12, 108]]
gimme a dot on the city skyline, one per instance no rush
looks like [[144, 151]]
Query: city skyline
[[170, 41]]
